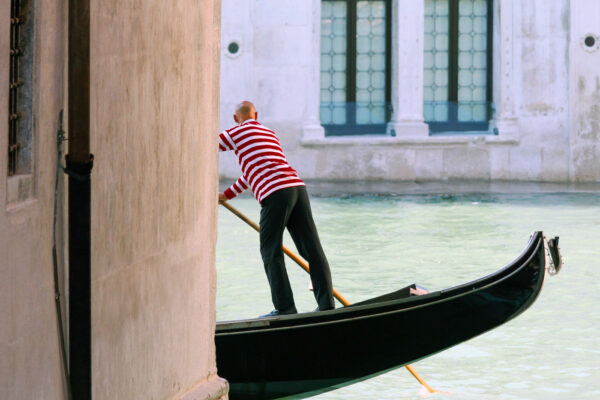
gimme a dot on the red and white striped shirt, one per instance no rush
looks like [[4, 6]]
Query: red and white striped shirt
[[264, 167]]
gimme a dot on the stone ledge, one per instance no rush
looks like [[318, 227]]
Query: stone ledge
[[385, 140], [341, 188], [215, 388]]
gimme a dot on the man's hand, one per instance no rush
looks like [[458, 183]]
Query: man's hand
[[222, 197]]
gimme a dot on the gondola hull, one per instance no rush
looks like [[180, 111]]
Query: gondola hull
[[306, 354]]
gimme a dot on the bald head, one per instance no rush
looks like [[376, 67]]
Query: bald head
[[244, 111]]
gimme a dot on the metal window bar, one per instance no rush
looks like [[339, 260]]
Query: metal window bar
[[388, 60], [350, 125], [351, 62], [452, 122], [490, 60], [14, 84]]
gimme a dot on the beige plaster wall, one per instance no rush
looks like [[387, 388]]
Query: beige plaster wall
[[30, 366], [154, 112], [154, 108]]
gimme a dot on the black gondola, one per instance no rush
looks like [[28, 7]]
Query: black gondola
[[306, 354]]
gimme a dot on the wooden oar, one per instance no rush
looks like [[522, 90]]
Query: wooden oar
[[304, 266]]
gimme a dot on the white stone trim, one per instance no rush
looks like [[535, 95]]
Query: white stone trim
[[313, 132], [464, 138], [408, 33], [311, 127], [505, 122]]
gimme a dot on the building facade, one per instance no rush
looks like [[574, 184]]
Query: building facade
[[153, 91], [420, 90]]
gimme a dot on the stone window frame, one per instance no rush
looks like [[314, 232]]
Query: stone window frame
[[407, 125]]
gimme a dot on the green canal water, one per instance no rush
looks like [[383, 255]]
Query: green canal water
[[378, 243]]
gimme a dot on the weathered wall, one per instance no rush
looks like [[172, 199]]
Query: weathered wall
[[155, 69], [270, 68], [531, 72], [30, 366], [154, 107], [542, 37], [585, 91]]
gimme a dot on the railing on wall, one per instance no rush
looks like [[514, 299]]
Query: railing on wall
[[14, 84]]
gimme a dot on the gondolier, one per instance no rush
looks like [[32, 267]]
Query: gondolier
[[284, 204]]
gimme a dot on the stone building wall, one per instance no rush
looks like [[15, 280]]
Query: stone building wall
[[584, 91], [154, 90], [539, 116]]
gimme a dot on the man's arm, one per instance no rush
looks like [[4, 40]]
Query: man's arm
[[225, 143], [238, 187]]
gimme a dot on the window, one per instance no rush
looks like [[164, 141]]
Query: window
[[458, 65], [20, 99], [13, 113], [355, 66]]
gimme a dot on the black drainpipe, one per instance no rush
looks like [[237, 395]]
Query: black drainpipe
[[79, 167]]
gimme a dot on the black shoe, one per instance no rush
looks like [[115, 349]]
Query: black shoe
[[277, 313]]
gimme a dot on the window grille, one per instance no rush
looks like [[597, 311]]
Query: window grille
[[14, 84], [458, 65], [355, 66]]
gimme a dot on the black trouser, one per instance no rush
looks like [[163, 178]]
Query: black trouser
[[290, 208]]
